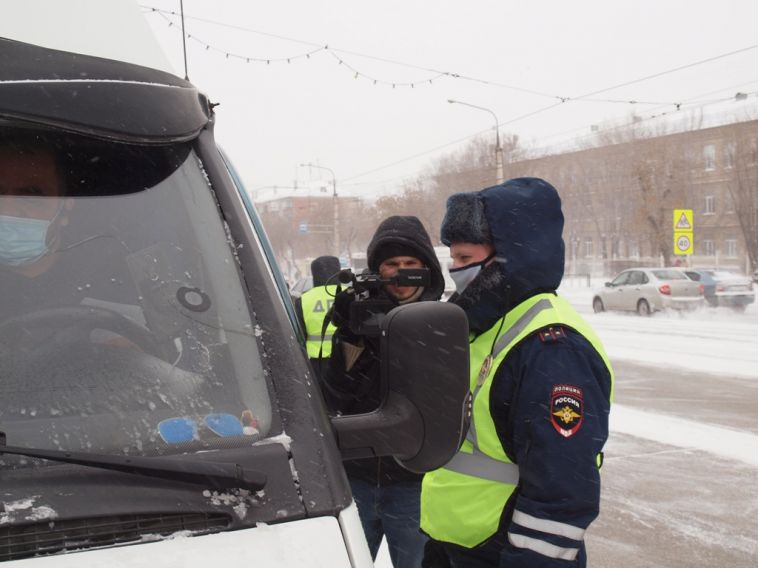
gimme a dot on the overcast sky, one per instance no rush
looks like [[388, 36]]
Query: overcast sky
[[514, 58], [274, 116]]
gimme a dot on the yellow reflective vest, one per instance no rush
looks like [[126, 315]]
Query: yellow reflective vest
[[316, 303], [462, 502]]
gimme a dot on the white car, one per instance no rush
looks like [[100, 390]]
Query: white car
[[648, 290]]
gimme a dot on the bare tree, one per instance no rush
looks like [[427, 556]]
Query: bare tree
[[661, 171], [742, 152]]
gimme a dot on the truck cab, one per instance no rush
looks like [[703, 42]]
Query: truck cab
[[156, 402]]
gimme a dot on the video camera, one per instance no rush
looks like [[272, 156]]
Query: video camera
[[367, 311]]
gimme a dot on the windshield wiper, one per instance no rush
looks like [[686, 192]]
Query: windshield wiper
[[218, 475]]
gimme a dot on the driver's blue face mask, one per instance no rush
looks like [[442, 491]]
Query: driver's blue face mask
[[23, 240]]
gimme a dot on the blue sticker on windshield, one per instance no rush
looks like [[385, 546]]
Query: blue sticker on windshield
[[177, 430], [224, 425]]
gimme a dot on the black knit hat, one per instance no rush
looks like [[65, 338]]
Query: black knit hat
[[465, 220], [388, 250], [405, 235], [323, 269], [399, 235]]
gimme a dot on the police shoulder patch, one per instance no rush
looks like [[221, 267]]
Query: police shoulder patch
[[566, 409]]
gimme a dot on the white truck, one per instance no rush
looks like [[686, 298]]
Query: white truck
[[157, 407]]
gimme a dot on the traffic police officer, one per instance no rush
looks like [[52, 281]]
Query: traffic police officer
[[312, 307], [525, 484]]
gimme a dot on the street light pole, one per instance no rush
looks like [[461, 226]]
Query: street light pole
[[498, 149], [336, 231]]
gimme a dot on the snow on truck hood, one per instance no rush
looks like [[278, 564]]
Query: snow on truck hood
[[316, 543]]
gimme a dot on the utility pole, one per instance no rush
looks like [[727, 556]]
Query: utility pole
[[335, 205], [498, 149]]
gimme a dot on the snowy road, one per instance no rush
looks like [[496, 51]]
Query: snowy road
[[680, 482], [712, 340]]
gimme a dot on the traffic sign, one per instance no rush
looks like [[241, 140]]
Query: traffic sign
[[683, 220], [683, 243]]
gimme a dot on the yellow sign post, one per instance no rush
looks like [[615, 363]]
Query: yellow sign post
[[684, 232]]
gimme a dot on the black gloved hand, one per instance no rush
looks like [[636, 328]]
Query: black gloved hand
[[341, 308]]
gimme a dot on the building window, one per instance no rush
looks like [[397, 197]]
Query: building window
[[710, 205], [731, 248], [728, 202], [574, 243], [729, 151], [709, 248], [589, 249], [709, 155]]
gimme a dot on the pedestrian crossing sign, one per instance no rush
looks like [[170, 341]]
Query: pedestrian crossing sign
[[683, 220]]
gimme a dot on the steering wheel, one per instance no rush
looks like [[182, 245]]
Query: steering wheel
[[69, 325]]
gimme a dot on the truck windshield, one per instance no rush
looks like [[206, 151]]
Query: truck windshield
[[124, 320]]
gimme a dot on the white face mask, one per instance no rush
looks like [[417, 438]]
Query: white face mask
[[464, 275]]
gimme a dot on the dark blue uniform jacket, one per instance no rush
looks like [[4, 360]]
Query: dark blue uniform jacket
[[559, 477]]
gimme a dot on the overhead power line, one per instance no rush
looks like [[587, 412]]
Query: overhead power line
[[434, 73], [662, 110], [676, 106], [669, 71], [437, 74]]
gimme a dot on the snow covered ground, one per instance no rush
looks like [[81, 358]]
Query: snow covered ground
[[705, 346], [711, 341]]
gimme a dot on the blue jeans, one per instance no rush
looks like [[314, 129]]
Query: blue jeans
[[392, 511]]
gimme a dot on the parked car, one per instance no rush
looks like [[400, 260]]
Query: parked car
[[648, 290], [755, 275], [724, 288], [154, 407]]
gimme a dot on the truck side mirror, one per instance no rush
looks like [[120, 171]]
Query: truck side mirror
[[425, 371]]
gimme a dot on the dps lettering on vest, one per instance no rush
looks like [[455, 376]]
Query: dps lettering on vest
[[319, 308], [316, 303], [462, 502]]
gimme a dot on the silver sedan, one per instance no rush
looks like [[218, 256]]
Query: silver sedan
[[647, 290]]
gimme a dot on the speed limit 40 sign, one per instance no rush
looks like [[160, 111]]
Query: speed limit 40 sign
[[683, 243]]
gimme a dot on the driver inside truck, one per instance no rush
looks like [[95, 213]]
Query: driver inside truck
[[37, 270], [32, 207]]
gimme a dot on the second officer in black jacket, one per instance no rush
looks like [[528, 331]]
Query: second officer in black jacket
[[387, 496]]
